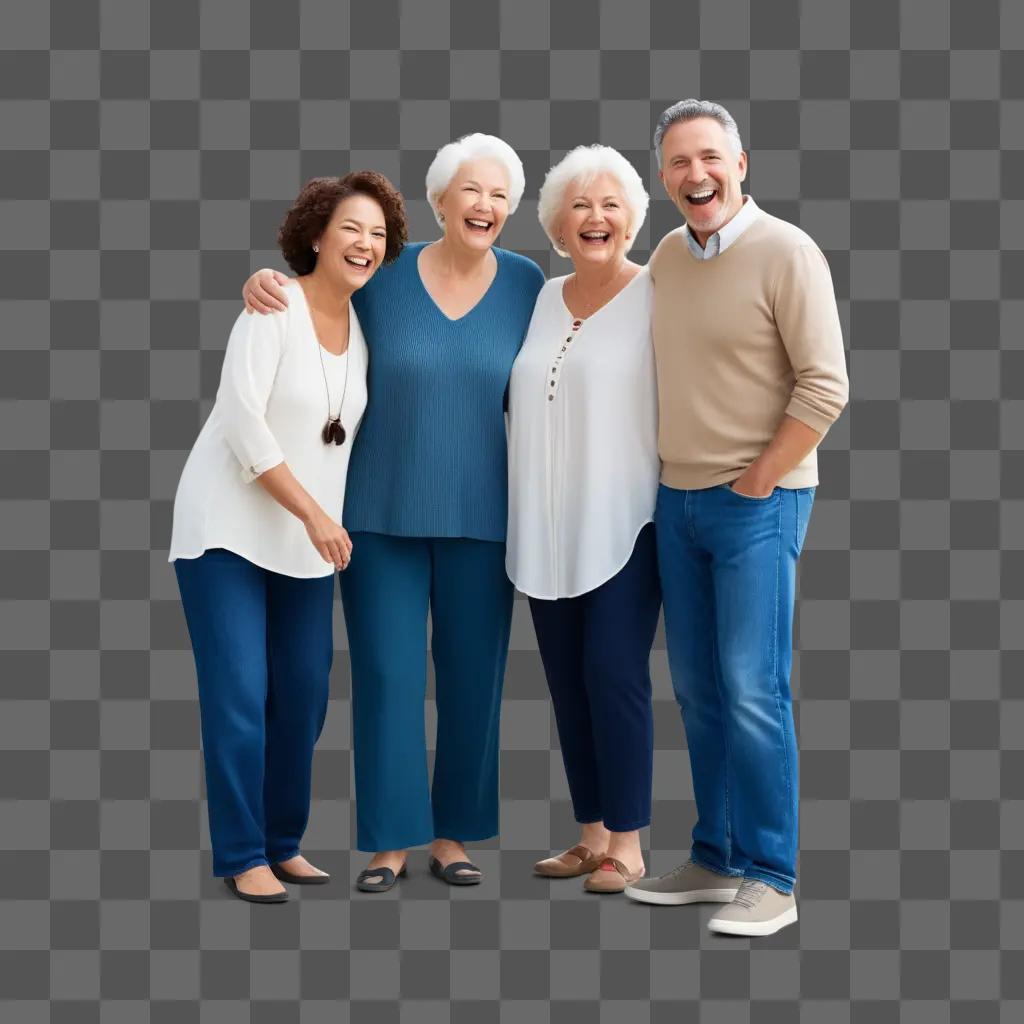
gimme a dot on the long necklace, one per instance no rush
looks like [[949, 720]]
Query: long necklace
[[333, 429]]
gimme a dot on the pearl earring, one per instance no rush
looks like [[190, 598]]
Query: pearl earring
[[316, 248], [440, 217]]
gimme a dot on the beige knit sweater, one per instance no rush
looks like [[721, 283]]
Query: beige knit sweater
[[741, 340]]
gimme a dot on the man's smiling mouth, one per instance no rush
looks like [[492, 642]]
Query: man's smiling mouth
[[702, 197]]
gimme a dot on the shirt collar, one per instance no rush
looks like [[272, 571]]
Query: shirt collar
[[726, 234]]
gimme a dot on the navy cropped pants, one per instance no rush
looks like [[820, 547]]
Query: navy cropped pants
[[596, 650]]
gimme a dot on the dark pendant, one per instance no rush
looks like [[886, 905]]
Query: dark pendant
[[334, 431]]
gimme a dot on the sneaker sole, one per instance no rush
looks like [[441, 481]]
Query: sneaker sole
[[678, 899], [754, 928]]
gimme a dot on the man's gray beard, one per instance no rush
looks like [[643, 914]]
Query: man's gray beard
[[724, 218]]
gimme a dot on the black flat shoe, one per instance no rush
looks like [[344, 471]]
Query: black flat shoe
[[274, 897], [450, 874], [286, 876], [386, 875]]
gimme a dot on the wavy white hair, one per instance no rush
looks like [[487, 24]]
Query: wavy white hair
[[477, 146], [583, 164]]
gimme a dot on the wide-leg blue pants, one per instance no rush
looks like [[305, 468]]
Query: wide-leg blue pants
[[263, 647], [596, 652], [387, 590]]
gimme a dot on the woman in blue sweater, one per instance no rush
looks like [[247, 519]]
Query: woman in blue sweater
[[426, 509]]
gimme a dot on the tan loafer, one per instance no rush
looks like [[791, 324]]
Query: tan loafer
[[611, 876], [574, 862]]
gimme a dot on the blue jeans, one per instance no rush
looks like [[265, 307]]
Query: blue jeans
[[263, 646], [728, 578], [387, 590]]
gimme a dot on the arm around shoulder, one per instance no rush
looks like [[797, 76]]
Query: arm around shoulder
[[264, 292]]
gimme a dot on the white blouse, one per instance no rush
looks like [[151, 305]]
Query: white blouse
[[271, 407], [583, 442]]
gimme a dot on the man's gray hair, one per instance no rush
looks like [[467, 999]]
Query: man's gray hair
[[690, 110]]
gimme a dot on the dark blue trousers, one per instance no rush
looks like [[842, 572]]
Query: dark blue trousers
[[263, 646], [596, 650]]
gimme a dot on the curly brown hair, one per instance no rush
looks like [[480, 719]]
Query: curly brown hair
[[315, 205]]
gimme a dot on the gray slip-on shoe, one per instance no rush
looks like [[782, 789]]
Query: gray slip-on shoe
[[756, 910], [688, 883]]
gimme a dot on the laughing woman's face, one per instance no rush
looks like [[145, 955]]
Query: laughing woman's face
[[594, 223], [352, 245], [475, 203]]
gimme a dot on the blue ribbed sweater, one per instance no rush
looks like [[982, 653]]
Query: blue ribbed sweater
[[430, 458]]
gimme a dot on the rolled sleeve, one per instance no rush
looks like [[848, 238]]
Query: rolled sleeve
[[808, 322], [251, 360]]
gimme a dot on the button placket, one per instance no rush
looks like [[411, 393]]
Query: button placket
[[557, 362]]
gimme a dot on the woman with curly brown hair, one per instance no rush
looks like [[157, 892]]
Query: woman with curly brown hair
[[255, 564]]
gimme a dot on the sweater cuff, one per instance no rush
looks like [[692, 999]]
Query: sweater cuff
[[250, 473], [807, 414]]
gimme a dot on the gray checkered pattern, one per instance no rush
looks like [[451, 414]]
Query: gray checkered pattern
[[148, 153]]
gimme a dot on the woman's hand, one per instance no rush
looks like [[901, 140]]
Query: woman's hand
[[264, 291], [330, 538]]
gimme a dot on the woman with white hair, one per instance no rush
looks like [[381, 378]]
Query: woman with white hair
[[426, 511], [583, 480]]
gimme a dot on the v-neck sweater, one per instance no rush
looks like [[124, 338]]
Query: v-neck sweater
[[431, 458]]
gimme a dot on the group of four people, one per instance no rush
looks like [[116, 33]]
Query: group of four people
[[604, 442]]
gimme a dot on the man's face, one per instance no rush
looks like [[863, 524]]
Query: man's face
[[701, 173]]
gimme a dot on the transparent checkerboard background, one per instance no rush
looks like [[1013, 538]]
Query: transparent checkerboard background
[[147, 153]]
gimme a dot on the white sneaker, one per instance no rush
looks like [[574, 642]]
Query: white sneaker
[[757, 909]]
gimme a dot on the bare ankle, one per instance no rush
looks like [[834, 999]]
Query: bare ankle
[[387, 858], [595, 836], [447, 846], [625, 846]]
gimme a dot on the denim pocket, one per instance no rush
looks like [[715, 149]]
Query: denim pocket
[[751, 497]]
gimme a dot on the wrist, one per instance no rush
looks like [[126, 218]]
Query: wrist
[[755, 479], [307, 512]]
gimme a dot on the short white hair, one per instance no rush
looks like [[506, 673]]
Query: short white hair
[[583, 164], [477, 146]]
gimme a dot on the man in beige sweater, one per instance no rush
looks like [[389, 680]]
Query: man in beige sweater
[[751, 373]]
